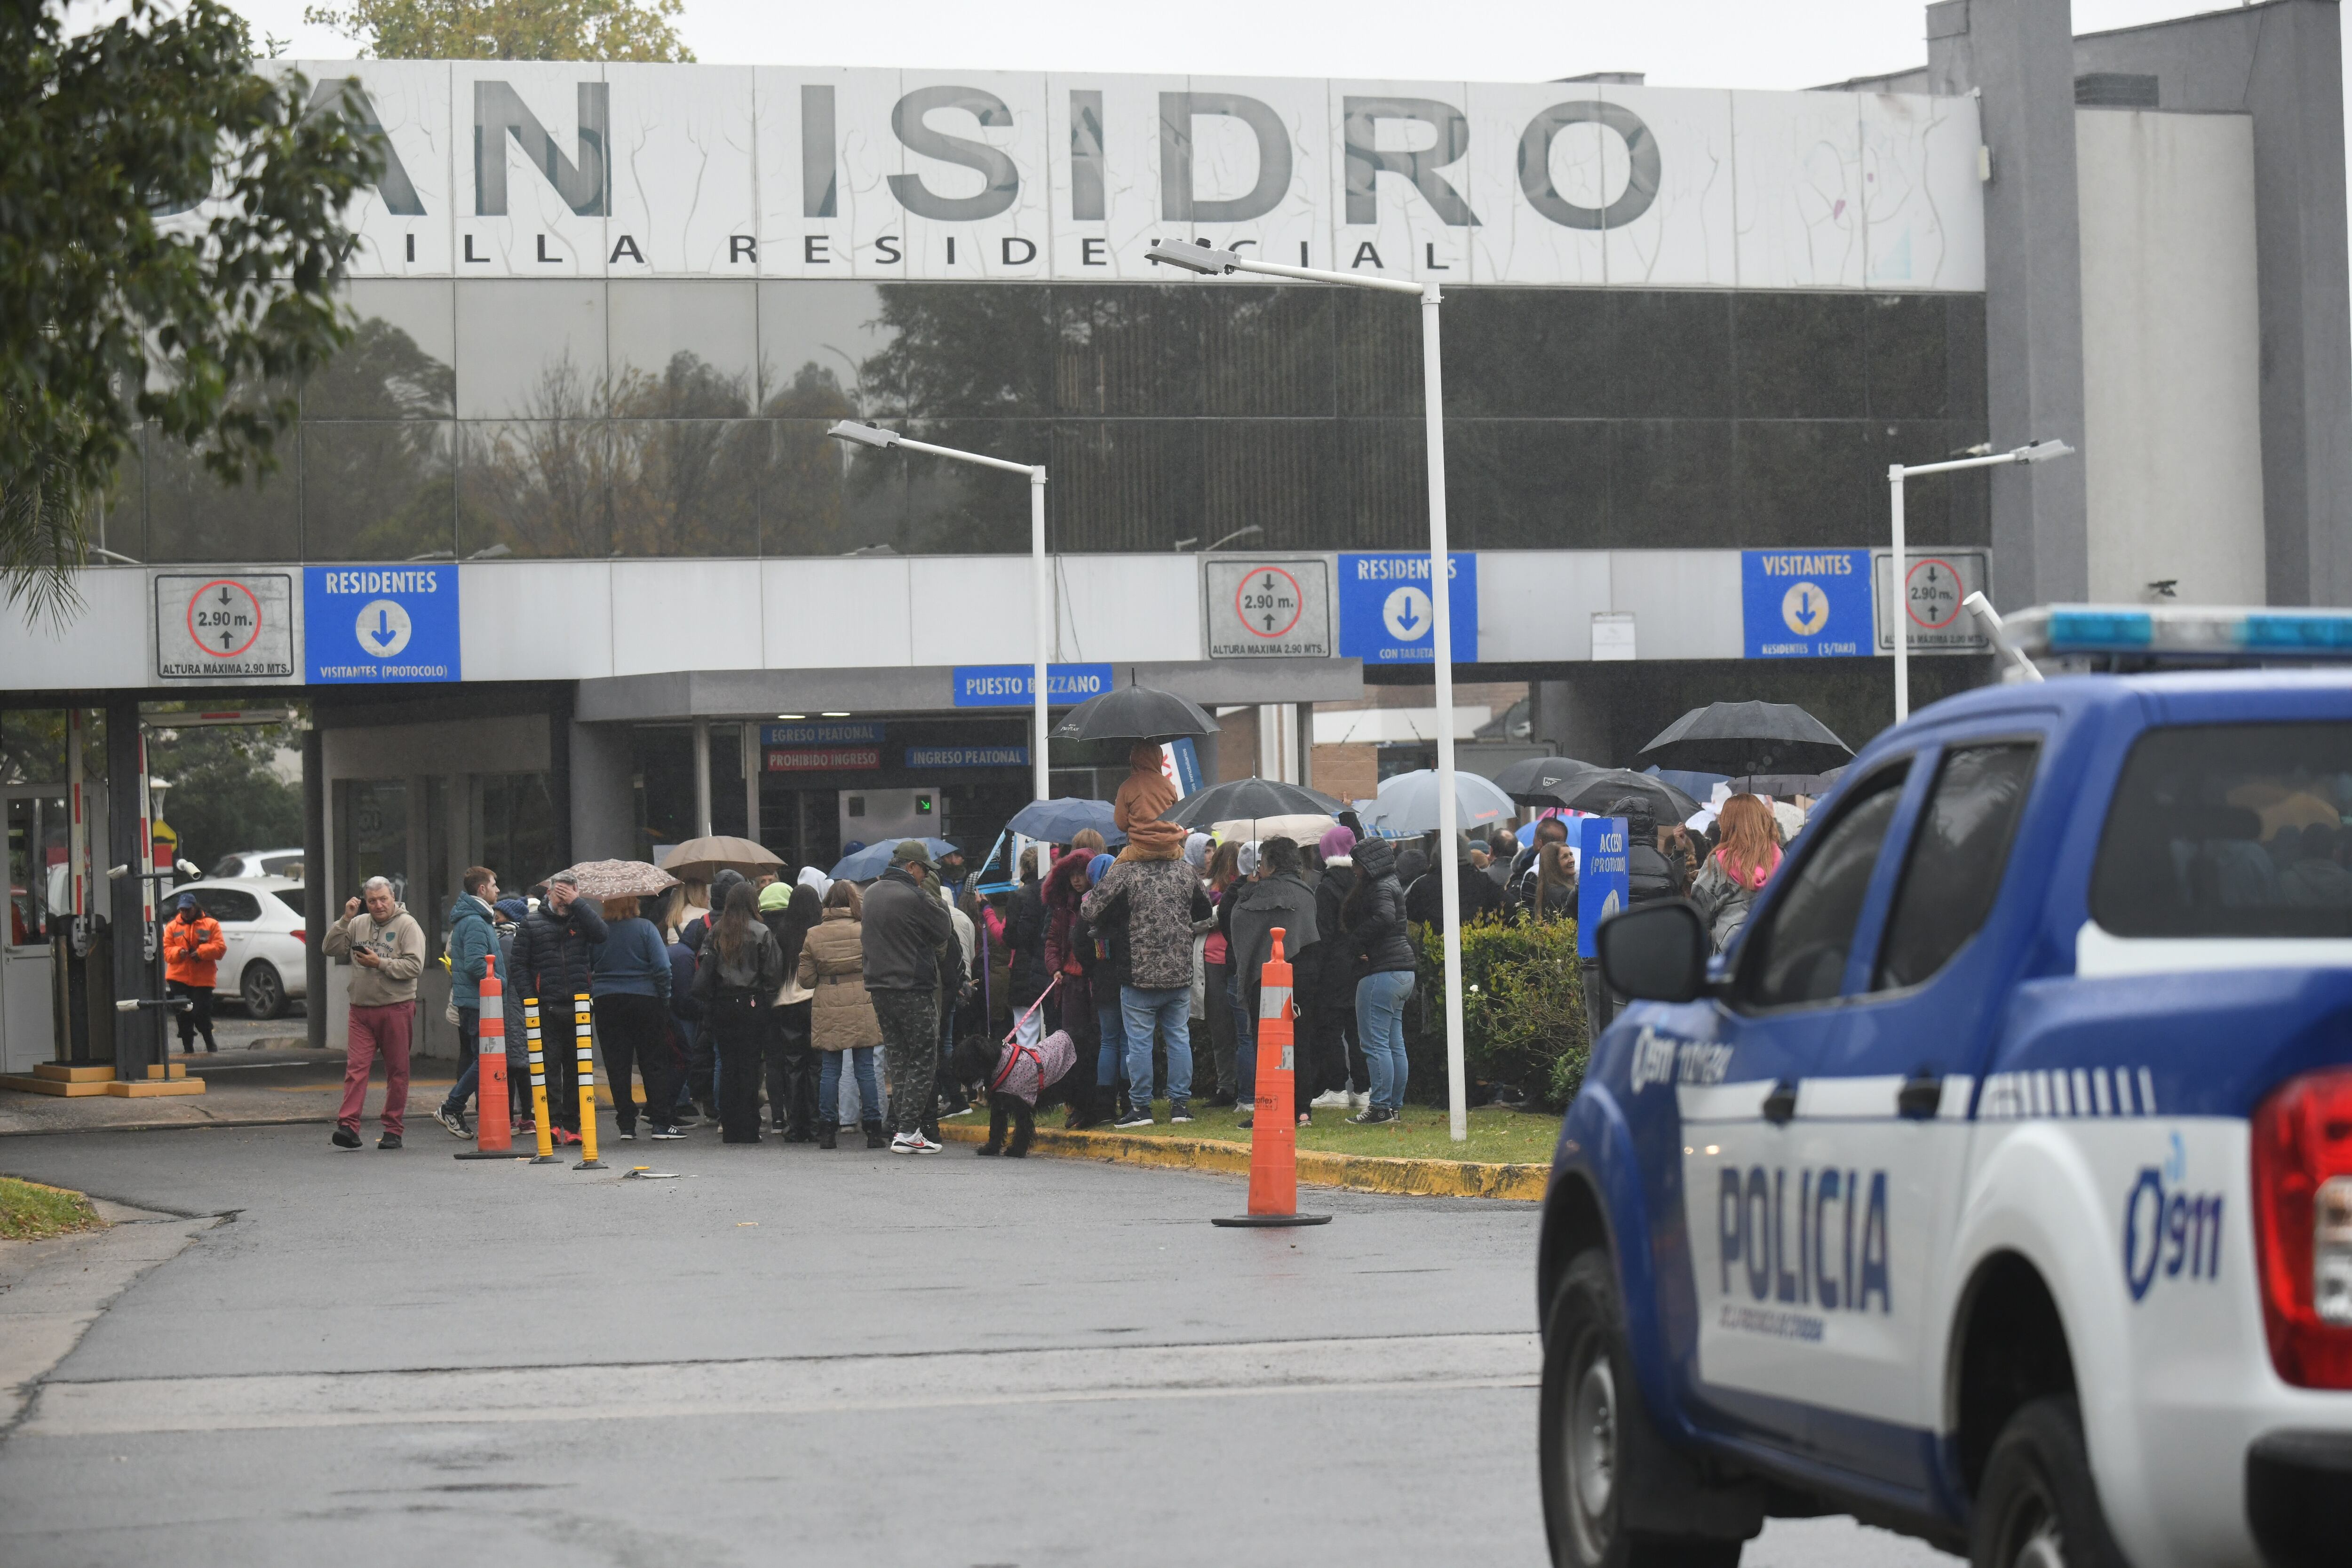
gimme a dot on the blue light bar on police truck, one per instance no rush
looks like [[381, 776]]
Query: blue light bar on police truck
[[2157, 634]]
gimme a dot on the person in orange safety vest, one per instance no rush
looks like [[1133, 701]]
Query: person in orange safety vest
[[193, 946]]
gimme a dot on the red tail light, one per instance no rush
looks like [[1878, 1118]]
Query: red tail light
[[301, 934], [2302, 1222]]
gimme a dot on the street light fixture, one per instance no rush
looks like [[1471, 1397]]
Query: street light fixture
[[1898, 585], [1210, 261], [873, 435]]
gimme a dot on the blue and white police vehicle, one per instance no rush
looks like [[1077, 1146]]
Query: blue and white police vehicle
[[1995, 1186]]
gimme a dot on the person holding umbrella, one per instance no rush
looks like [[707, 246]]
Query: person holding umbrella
[[629, 981], [736, 982], [553, 947]]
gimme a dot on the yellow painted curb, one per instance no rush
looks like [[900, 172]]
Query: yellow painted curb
[[1316, 1168]]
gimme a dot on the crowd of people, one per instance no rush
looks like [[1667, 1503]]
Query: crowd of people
[[719, 997]]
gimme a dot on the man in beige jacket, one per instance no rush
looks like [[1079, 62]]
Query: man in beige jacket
[[386, 948]]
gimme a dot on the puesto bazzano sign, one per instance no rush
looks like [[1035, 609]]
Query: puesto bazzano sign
[[541, 169]]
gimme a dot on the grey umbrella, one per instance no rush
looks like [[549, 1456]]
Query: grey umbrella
[[1133, 713], [1738, 739]]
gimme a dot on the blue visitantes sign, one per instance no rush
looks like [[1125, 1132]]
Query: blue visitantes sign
[[367, 625], [1011, 685], [1601, 883], [967, 756], [1385, 615], [1805, 604], [830, 733]]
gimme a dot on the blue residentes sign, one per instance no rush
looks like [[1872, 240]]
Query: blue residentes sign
[[1011, 685], [826, 734], [1806, 604], [1601, 877], [967, 756], [1385, 613], [368, 624]]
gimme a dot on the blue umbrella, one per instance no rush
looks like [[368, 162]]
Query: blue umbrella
[[1059, 821], [873, 859]]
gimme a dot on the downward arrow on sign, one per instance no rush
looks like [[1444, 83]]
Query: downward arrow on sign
[[384, 633]]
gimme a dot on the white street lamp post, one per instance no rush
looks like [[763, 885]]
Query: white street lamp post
[[1898, 589], [1042, 602], [1216, 263]]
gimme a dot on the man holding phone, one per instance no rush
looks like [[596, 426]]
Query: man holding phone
[[386, 948]]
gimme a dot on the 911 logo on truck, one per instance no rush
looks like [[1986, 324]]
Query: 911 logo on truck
[[2165, 1225]]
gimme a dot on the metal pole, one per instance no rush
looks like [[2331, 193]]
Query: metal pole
[[1042, 610], [1449, 881], [1899, 603], [748, 748], [702, 778]]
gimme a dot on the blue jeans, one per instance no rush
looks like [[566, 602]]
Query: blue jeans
[[1112, 1053], [828, 1087], [1380, 1033], [1171, 1011], [1244, 1041]]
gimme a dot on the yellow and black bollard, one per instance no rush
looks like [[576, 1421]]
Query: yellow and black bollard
[[584, 1030], [546, 1133]]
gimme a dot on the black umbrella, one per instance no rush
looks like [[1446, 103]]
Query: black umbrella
[[1596, 794], [1133, 713], [1740, 738], [1542, 778], [1252, 798], [1781, 786]]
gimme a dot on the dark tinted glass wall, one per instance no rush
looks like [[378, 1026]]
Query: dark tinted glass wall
[[587, 418]]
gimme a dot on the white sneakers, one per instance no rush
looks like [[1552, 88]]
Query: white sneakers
[[913, 1144], [1330, 1100]]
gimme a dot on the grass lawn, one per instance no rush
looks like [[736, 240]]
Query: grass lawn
[[1498, 1135], [28, 1210]]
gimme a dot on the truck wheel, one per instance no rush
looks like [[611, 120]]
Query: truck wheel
[[264, 991], [2038, 1506], [1589, 1403]]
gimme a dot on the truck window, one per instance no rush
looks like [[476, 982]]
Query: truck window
[[1800, 954], [1957, 857], [2229, 830]]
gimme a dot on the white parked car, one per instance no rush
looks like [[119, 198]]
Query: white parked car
[[261, 920], [259, 863]]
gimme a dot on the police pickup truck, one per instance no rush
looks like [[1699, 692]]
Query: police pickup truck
[[1995, 1186]]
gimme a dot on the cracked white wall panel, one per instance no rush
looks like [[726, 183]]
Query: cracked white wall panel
[[1244, 132], [1538, 182], [1684, 236], [976, 188], [516, 119], [825, 159], [1796, 174], [1400, 204], [1103, 157], [1923, 204], [411, 202], [682, 187]]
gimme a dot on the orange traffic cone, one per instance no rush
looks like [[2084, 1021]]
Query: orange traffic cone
[[1273, 1126], [493, 1130]]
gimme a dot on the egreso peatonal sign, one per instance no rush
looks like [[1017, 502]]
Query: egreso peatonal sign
[[535, 169]]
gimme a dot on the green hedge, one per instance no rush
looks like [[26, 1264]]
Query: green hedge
[[1523, 1019]]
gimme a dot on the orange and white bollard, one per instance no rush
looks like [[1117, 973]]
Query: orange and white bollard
[[493, 1126], [1273, 1126]]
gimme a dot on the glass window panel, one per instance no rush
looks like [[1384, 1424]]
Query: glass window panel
[[1671, 485], [1800, 355], [664, 755], [1526, 484], [1800, 954], [192, 516], [1938, 508], [1908, 367], [683, 348], [815, 338], [1958, 855], [818, 497], [1273, 474], [970, 351], [1123, 484], [530, 348], [1964, 359], [1267, 351], [1376, 344], [398, 366], [378, 490], [1810, 481], [373, 822], [1124, 349], [518, 829], [958, 508], [1671, 355], [1526, 353], [535, 488], [687, 486], [1383, 485]]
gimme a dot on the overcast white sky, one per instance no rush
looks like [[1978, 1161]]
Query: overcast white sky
[[1680, 43]]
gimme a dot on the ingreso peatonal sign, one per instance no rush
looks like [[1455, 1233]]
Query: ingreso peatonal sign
[[539, 169]]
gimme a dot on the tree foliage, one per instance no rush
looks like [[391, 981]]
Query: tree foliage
[[509, 29], [224, 794], [122, 300], [1523, 1019]]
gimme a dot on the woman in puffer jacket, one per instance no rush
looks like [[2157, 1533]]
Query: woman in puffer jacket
[[841, 1014], [1728, 884], [1373, 914]]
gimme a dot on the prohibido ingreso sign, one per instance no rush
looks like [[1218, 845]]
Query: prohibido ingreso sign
[[579, 168]]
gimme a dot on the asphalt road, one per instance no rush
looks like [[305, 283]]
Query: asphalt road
[[780, 1352]]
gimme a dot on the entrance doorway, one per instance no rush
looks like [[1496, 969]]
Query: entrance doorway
[[39, 887]]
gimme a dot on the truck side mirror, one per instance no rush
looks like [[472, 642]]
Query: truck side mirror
[[1657, 952]]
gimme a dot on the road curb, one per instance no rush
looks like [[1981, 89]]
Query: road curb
[[1316, 1168]]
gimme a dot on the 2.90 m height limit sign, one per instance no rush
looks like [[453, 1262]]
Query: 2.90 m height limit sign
[[1268, 609], [224, 626]]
